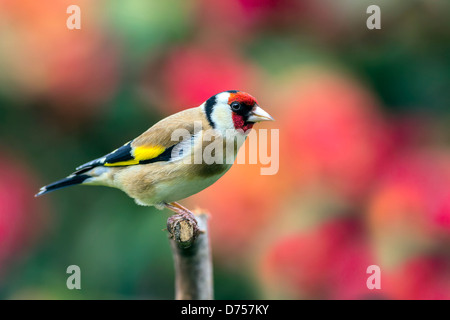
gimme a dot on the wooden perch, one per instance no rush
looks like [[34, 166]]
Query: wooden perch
[[192, 257]]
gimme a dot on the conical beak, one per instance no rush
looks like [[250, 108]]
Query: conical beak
[[258, 115]]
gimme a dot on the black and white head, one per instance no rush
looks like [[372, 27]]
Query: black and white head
[[234, 109]]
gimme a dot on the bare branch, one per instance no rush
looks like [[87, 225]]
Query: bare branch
[[192, 257]]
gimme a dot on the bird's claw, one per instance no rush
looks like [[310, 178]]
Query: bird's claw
[[183, 228]]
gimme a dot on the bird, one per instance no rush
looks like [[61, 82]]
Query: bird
[[157, 170]]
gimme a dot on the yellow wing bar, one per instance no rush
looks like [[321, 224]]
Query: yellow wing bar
[[137, 154]]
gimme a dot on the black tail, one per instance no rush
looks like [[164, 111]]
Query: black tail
[[66, 182]]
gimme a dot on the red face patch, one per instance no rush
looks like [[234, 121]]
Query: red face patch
[[239, 122], [242, 97]]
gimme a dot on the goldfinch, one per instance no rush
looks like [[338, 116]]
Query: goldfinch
[[156, 169]]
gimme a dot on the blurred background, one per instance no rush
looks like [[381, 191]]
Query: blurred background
[[364, 145]]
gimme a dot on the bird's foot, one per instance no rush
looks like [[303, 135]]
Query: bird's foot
[[182, 226]]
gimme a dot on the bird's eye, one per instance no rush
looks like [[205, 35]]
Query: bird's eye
[[235, 106]]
